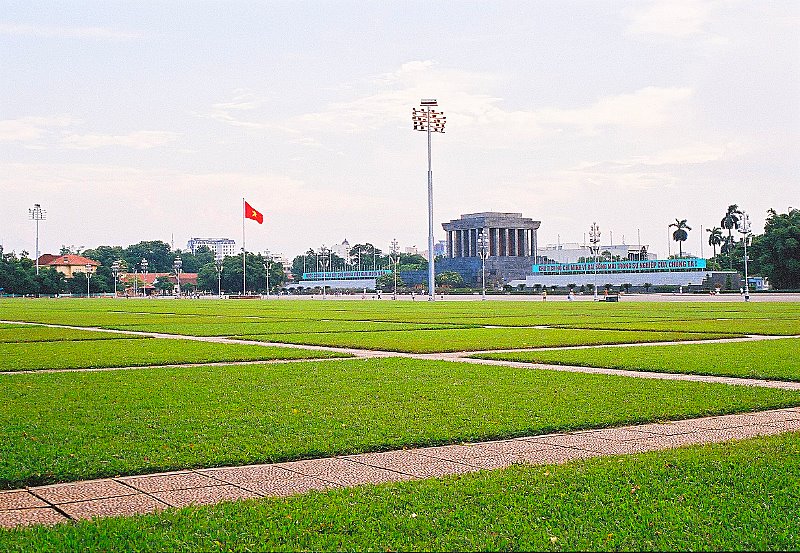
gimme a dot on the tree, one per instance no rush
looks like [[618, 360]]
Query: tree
[[450, 279], [680, 235], [778, 249], [163, 285], [729, 222], [714, 238]]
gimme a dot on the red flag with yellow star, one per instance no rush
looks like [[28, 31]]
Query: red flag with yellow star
[[250, 213]]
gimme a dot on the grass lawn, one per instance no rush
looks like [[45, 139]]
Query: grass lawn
[[72, 426], [732, 496], [471, 339], [127, 352], [26, 333], [773, 318], [768, 359]]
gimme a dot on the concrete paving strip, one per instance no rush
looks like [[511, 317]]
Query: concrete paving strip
[[129, 495]]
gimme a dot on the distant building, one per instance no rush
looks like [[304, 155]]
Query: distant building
[[68, 264], [220, 246], [342, 250], [571, 252]]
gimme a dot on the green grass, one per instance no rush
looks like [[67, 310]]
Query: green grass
[[723, 497], [772, 318], [47, 334], [471, 339], [767, 359], [127, 352], [72, 426]]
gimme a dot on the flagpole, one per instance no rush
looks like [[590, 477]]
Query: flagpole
[[244, 256]]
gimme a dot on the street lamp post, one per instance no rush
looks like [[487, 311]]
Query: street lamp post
[[37, 214], [395, 260], [267, 264], [325, 261], [744, 228], [115, 269], [594, 238], [88, 276], [483, 249], [177, 264], [144, 264], [428, 120], [218, 264]]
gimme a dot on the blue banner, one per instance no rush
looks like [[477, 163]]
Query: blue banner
[[654, 265], [345, 275]]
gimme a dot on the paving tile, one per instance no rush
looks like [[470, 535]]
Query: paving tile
[[555, 455], [204, 496], [407, 462], [19, 499], [182, 480], [295, 484], [743, 432], [512, 447], [27, 517], [249, 473], [787, 426], [775, 416], [577, 441], [667, 428], [82, 491], [619, 434], [724, 422], [343, 472], [113, 506]]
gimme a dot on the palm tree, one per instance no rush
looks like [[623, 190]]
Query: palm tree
[[714, 238], [729, 222], [680, 234]]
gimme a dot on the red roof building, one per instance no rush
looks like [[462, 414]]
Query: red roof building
[[68, 264]]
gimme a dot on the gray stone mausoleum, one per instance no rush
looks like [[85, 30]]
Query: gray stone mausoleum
[[512, 246]]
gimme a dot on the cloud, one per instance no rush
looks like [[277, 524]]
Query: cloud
[[139, 140], [53, 31], [31, 129], [673, 19]]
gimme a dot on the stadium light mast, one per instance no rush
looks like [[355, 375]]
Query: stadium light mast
[[37, 214], [429, 120]]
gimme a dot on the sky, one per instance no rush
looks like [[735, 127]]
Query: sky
[[152, 120]]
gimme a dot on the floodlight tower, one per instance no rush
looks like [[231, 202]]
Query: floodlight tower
[[428, 120], [37, 214]]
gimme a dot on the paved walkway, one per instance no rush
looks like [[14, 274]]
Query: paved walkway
[[131, 495]]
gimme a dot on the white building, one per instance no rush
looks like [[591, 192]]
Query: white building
[[220, 246], [571, 252]]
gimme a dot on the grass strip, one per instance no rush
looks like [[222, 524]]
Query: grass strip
[[472, 339], [75, 426], [49, 334], [764, 359], [732, 496], [138, 352]]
